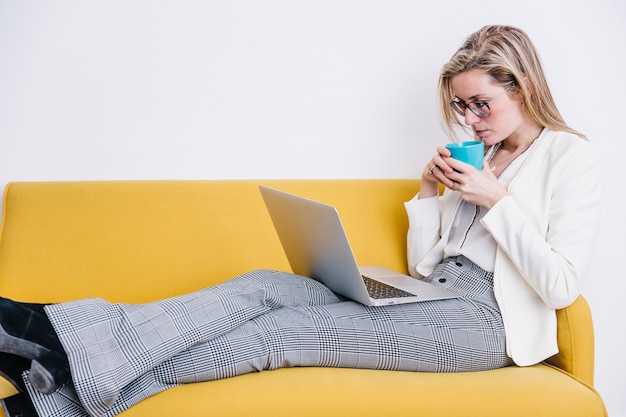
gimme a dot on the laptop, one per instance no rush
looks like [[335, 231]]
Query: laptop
[[316, 246]]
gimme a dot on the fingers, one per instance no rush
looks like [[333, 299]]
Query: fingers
[[444, 152], [438, 174], [439, 160], [441, 167]]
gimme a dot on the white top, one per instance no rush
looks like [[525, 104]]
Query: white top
[[468, 236]]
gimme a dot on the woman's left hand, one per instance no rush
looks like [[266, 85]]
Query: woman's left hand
[[477, 187]]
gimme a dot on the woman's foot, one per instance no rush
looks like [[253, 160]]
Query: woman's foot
[[26, 333], [49, 372], [18, 405], [11, 368]]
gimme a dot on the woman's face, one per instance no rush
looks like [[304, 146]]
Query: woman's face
[[507, 118]]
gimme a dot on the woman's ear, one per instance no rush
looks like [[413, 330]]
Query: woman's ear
[[529, 86]]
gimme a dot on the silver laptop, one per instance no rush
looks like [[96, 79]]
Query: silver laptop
[[316, 246]]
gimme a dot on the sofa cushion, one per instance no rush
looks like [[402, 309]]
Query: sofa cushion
[[536, 391]]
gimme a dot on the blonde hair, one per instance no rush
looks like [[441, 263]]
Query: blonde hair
[[507, 54]]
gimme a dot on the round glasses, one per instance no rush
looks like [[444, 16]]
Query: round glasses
[[479, 107]]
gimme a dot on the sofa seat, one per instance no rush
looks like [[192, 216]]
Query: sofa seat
[[314, 392]]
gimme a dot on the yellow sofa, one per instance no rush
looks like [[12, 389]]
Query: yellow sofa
[[137, 241]]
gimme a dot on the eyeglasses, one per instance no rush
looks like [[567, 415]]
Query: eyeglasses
[[479, 107]]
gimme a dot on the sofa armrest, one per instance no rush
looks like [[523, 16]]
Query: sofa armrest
[[576, 341]]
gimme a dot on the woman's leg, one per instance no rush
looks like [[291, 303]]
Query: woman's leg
[[111, 345], [464, 334]]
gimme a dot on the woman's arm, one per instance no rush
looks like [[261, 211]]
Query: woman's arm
[[556, 260]]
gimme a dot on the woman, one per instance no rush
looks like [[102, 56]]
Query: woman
[[512, 239]]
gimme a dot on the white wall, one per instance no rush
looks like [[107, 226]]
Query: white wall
[[141, 89]]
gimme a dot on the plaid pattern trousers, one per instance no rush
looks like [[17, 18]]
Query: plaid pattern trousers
[[121, 354]]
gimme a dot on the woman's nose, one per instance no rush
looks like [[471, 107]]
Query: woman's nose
[[470, 117]]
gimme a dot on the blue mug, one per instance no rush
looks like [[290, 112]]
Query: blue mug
[[471, 153]]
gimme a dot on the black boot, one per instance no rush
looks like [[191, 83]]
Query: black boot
[[11, 368], [25, 332], [18, 405], [36, 307], [49, 372]]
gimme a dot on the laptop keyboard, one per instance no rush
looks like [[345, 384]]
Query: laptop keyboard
[[378, 290]]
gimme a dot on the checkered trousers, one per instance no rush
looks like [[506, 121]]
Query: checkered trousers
[[121, 354]]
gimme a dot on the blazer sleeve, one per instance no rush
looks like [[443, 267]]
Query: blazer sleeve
[[424, 230]]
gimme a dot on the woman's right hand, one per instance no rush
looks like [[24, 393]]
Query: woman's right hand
[[434, 174]]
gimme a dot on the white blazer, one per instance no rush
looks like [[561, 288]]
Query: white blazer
[[545, 232]]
